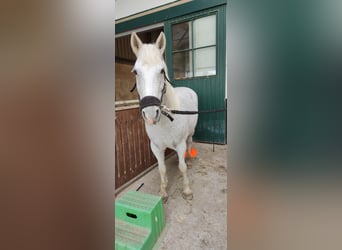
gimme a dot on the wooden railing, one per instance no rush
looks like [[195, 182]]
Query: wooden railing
[[132, 146]]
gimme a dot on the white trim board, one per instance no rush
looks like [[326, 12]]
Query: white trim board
[[145, 28]]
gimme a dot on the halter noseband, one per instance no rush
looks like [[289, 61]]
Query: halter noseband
[[148, 101]]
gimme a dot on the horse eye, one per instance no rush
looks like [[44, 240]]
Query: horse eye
[[162, 71], [135, 72]]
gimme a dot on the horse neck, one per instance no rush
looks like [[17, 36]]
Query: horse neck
[[170, 99]]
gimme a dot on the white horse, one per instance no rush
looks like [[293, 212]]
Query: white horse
[[154, 91]]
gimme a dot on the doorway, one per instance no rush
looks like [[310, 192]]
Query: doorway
[[124, 62]]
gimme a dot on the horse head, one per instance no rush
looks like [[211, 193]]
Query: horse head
[[150, 70]]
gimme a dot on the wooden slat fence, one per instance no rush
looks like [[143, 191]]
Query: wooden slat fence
[[132, 146]]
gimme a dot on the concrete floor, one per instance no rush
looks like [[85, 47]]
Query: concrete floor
[[202, 222]]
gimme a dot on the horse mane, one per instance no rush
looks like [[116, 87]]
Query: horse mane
[[170, 97]]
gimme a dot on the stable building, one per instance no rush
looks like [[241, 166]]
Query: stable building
[[195, 56]]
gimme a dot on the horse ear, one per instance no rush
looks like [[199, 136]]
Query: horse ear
[[161, 42], [135, 43]]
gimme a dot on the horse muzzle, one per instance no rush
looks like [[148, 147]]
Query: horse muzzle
[[150, 109], [151, 114]]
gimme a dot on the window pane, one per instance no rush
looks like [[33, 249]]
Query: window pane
[[205, 31], [180, 36], [182, 66], [205, 61]]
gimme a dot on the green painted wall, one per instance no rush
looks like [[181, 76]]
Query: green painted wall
[[211, 127]]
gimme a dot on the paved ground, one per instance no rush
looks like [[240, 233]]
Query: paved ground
[[202, 222]]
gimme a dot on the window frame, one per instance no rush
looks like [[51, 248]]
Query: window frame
[[191, 50]]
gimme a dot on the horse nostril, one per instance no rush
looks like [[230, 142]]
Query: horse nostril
[[157, 113], [143, 113]]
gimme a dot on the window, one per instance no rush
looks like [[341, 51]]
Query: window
[[194, 48]]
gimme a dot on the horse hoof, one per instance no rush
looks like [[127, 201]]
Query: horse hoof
[[187, 196], [165, 198]]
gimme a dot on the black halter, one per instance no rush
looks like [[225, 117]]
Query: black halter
[[148, 101]]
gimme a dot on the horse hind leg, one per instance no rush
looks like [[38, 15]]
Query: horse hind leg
[[189, 144], [187, 192], [187, 154], [190, 151], [160, 155]]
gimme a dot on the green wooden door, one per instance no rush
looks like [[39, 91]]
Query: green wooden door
[[196, 58]]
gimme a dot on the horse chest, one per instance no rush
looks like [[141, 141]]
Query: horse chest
[[167, 136]]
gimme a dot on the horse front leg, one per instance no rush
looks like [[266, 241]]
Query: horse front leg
[[187, 192], [160, 155]]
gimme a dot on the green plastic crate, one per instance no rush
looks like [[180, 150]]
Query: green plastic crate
[[144, 215], [130, 236]]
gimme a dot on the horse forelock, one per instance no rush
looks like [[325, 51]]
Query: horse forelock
[[150, 55]]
